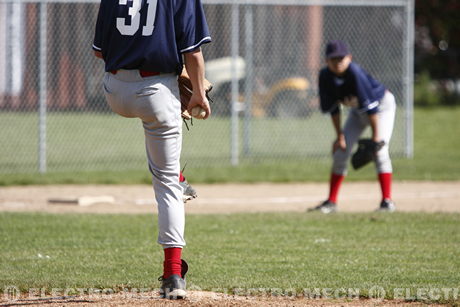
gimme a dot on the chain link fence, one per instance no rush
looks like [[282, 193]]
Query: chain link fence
[[264, 62]]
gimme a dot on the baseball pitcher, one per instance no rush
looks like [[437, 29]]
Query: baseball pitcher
[[144, 44]]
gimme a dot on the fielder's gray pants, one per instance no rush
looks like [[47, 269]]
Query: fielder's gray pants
[[155, 100], [354, 127]]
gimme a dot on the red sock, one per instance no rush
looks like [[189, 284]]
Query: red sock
[[385, 185], [334, 186], [181, 177], [172, 264]]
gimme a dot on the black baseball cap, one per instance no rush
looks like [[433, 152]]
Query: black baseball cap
[[336, 49]]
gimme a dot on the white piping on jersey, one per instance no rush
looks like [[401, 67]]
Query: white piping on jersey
[[194, 46], [370, 106], [183, 50]]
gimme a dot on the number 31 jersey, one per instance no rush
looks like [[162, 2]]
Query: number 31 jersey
[[149, 35]]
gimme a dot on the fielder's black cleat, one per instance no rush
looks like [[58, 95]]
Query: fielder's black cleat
[[387, 205], [173, 287], [325, 207]]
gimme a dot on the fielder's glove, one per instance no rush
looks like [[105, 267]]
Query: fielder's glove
[[365, 153], [186, 91]]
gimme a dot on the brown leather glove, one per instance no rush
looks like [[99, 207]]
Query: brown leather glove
[[365, 153], [186, 90]]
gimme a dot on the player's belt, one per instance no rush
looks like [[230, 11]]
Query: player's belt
[[143, 73]]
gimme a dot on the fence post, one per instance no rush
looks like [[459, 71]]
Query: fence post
[[409, 84], [235, 90], [42, 89], [249, 42]]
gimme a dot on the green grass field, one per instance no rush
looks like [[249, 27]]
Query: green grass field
[[402, 252], [436, 147], [230, 253]]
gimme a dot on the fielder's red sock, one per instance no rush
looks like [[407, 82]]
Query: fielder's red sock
[[385, 185], [181, 177], [334, 186], [173, 262]]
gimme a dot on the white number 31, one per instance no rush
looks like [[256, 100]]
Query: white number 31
[[134, 12]]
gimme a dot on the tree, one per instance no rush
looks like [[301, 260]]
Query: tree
[[437, 38]]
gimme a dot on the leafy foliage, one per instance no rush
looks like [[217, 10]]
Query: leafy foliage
[[437, 47]]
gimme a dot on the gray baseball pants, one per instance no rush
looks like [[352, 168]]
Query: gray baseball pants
[[155, 100], [354, 127]]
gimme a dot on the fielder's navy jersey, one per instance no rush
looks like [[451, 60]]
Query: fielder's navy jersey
[[149, 35], [363, 91]]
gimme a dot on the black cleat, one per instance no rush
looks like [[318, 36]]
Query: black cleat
[[173, 287], [325, 207], [188, 192], [387, 205]]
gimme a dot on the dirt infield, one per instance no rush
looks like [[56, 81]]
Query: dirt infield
[[233, 198], [223, 198], [200, 299]]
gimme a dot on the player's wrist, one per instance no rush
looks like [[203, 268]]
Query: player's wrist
[[199, 95]]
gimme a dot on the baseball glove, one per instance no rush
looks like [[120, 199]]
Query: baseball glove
[[186, 91], [365, 153]]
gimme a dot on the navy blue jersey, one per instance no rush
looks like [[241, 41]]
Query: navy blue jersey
[[363, 91], [149, 35]]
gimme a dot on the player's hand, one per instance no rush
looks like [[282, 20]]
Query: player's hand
[[339, 143], [199, 100]]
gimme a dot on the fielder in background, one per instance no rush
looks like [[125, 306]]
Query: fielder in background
[[344, 82], [144, 45]]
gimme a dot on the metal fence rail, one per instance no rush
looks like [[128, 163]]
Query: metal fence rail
[[263, 61]]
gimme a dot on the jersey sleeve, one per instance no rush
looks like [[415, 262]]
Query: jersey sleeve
[[191, 26], [365, 91], [97, 42], [327, 101]]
